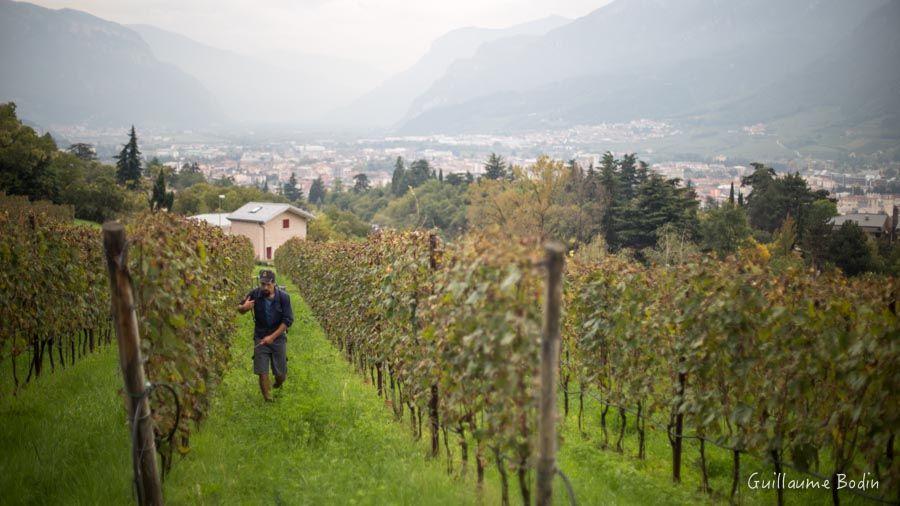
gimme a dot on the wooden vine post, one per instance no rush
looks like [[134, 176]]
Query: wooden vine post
[[550, 338], [434, 399], [678, 437], [146, 471]]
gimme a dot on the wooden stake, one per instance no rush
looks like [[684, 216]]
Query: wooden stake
[[125, 319], [434, 398], [546, 465]]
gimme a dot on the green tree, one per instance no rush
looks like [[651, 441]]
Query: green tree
[[361, 183], [128, 162], [398, 178], [609, 181], [724, 230], [154, 166], [290, 189], [317, 191], [432, 205], [204, 198], [456, 179], [348, 224], [83, 151], [849, 249], [628, 178], [90, 188], [815, 230], [24, 157], [160, 198], [785, 238], [673, 247], [419, 172], [495, 167], [657, 201], [772, 199], [189, 175]]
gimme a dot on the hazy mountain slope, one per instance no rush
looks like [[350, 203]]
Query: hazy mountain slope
[[68, 67], [387, 103], [859, 78], [275, 88], [639, 58]]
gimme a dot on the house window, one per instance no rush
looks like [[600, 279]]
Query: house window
[[285, 223], [268, 252]]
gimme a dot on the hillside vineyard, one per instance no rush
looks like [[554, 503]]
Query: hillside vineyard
[[770, 360]]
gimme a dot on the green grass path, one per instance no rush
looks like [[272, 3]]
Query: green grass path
[[326, 439]]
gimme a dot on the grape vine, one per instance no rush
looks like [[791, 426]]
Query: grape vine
[[757, 356]]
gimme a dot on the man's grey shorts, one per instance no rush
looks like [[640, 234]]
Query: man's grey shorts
[[272, 356]]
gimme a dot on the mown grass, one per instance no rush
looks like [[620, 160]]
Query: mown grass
[[581, 453], [64, 438], [325, 440]]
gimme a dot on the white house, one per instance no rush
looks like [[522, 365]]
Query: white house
[[268, 225]]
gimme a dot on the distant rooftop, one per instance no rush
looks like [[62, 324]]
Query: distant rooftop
[[862, 219], [214, 219], [262, 212]]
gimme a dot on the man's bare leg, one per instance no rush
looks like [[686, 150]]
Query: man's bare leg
[[279, 379], [264, 387]]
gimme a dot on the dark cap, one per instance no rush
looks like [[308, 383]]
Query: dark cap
[[266, 276]]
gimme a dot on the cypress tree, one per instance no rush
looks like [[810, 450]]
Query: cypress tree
[[495, 167], [398, 178], [317, 191], [290, 190], [160, 198], [128, 162]]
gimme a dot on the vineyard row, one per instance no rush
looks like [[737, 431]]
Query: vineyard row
[[757, 355]]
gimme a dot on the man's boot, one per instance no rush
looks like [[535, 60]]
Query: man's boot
[[264, 387], [279, 379]]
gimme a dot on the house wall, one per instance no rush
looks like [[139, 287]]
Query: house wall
[[252, 231], [276, 235]]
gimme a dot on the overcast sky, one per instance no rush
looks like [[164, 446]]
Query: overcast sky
[[388, 34]]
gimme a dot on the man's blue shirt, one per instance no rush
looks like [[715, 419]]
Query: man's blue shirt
[[269, 313]]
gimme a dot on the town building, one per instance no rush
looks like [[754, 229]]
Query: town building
[[268, 225], [875, 225]]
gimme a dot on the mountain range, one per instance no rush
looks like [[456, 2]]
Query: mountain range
[[385, 105], [279, 87], [650, 59], [821, 75], [69, 67]]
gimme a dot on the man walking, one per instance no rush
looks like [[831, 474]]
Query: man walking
[[272, 315]]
